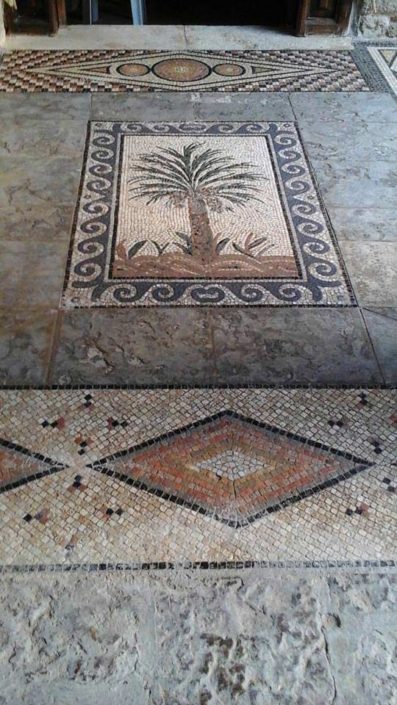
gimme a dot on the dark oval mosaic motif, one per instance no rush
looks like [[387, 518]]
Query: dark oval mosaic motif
[[229, 70], [181, 70], [133, 69]]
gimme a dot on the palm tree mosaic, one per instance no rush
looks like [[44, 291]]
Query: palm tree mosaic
[[202, 180]]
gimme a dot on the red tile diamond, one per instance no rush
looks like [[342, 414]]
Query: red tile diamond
[[232, 468]]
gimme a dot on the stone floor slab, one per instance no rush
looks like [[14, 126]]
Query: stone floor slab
[[202, 37], [42, 138], [45, 106], [25, 344], [234, 626], [104, 37], [38, 182], [291, 346], [142, 346], [372, 141], [161, 106], [360, 224], [356, 185], [36, 223], [372, 268], [235, 106], [344, 108], [31, 276]]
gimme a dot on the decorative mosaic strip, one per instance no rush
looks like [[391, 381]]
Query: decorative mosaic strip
[[375, 61], [188, 214], [124, 70], [385, 58], [205, 477]]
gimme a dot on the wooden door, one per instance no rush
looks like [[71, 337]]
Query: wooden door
[[53, 16], [323, 16]]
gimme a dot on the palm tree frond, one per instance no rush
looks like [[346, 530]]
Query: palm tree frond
[[193, 171]]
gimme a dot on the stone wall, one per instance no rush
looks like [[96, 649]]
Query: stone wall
[[377, 18]]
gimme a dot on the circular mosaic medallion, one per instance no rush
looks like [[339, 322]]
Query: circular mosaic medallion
[[229, 69], [181, 70], [133, 69]]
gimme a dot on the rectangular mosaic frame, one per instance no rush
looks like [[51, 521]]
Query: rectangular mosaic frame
[[347, 523], [323, 281]]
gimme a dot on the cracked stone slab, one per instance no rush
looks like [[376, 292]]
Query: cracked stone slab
[[288, 345], [241, 637], [133, 347], [388, 311]]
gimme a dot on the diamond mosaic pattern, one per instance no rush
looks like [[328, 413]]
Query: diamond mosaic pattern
[[266, 469], [160, 476]]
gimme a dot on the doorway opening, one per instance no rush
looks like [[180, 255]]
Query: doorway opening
[[292, 16], [219, 12]]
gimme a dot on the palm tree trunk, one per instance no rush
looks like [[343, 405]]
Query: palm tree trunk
[[201, 231]]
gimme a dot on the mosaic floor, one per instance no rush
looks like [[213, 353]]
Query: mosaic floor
[[201, 213], [117, 71], [150, 477], [385, 58]]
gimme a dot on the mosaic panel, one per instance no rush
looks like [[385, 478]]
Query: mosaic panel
[[200, 214], [385, 57], [124, 70], [134, 478]]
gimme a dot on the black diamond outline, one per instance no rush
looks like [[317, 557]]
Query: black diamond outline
[[102, 467], [56, 466]]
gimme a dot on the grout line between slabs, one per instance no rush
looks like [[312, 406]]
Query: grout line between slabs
[[380, 368], [53, 348], [295, 117], [381, 313]]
